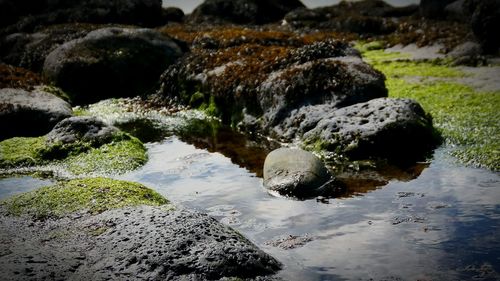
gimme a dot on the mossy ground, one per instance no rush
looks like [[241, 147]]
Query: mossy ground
[[123, 154], [467, 118], [92, 195]]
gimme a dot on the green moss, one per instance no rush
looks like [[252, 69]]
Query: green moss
[[94, 196], [16, 152], [396, 69], [113, 158], [123, 154]]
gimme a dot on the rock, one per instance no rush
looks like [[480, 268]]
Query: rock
[[295, 172], [468, 53], [338, 82], [110, 62], [393, 129], [433, 8], [147, 242], [29, 50], [457, 11], [26, 15], [485, 22], [173, 14], [243, 11], [81, 129], [30, 113]]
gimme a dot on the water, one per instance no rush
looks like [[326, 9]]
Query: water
[[442, 225]]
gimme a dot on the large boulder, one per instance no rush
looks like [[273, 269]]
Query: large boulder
[[295, 172], [395, 129], [30, 113], [433, 8], [243, 11], [140, 243], [110, 62], [26, 15]]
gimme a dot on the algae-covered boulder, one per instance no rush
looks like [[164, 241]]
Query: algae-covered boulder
[[30, 113], [243, 11], [82, 145], [110, 62], [295, 172]]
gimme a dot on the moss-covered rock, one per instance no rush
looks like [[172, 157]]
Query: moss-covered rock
[[92, 195], [81, 145]]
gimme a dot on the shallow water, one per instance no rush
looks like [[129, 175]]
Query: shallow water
[[443, 225]]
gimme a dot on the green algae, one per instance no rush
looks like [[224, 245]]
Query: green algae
[[92, 195], [123, 153], [21, 151], [466, 118]]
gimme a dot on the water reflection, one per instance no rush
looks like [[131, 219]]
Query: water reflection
[[443, 225]]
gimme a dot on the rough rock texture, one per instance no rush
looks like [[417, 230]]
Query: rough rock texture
[[86, 129], [243, 11], [395, 129], [110, 62], [26, 15], [485, 22], [30, 113], [295, 172], [142, 243]]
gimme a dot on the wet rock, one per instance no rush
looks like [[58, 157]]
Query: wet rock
[[110, 62], [243, 11], [26, 15], [81, 129], [394, 129], [295, 172], [147, 242], [30, 113], [485, 22], [289, 242], [468, 53]]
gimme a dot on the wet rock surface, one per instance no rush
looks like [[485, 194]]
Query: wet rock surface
[[142, 243], [395, 129], [110, 62], [295, 172], [243, 11], [85, 129], [30, 113]]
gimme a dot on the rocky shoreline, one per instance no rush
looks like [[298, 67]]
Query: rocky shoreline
[[271, 69]]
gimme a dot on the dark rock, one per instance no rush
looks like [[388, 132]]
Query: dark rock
[[81, 129], [485, 22], [110, 62], [468, 53], [29, 50], [457, 11], [30, 113], [295, 172], [243, 11], [26, 15], [433, 8], [337, 82], [394, 129], [363, 17], [145, 242], [173, 14]]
